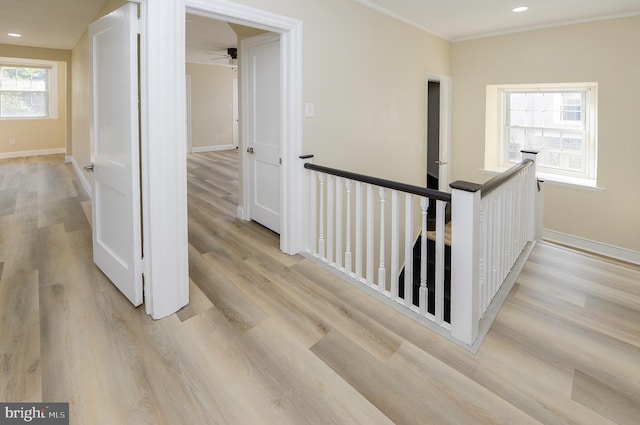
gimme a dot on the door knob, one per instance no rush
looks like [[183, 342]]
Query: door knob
[[250, 149], [90, 168]]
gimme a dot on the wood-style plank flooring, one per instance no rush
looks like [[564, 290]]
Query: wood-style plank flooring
[[273, 339]]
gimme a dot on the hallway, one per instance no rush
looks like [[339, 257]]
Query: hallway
[[273, 339]]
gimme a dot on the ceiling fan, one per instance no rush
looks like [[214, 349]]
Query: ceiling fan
[[231, 55]]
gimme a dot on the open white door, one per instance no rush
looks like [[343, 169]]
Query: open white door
[[117, 240], [261, 62]]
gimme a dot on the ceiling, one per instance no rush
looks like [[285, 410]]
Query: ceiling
[[462, 19], [60, 23], [55, 24], [207, 40]]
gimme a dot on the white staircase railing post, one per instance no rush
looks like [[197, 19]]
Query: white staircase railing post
[[309, 207], [536, 196], [465, 254]]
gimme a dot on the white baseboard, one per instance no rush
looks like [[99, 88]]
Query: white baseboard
[[212, 148], [80, 174], [592, 246], [20, 154], [240, 212]]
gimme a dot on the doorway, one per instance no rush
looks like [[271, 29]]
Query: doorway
[[291, 170], [438, 132], [433, 135]]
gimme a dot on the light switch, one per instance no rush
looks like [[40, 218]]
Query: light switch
[[308, 110]]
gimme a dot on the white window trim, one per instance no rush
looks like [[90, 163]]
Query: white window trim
[[52, 85], [495, 129]]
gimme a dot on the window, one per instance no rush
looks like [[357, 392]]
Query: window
[[27, 90], [556, 120]]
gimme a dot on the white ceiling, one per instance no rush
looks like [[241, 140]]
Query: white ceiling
[[207, 40], [60, 23], [55, 24], [461, 19]]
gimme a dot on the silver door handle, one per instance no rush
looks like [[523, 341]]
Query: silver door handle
[[250, 150], [90, 168], [441, 162]]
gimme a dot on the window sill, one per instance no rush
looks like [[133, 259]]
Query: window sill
[[554, 179], [51, 117]]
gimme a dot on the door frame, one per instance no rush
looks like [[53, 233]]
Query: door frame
[[235, 112], [247, 183], [445, 127], [164, 168], [188, 109], [290, 31]]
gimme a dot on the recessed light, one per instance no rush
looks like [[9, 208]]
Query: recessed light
[[519, 9], [14, 34]]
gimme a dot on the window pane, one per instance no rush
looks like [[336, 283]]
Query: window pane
[[552, 123], [516, 139], [23, 92], [23, 104], [572, 144], [39, 79], [518, 118], [8, 78]]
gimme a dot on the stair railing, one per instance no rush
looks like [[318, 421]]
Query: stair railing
[[495, 227], [364, 228]]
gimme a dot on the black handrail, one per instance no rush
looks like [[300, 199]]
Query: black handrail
[[494, 183], [502, 178], [415, 190]]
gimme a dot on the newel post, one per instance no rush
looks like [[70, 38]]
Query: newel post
[[308, 207], [536, 196], [465, 256]]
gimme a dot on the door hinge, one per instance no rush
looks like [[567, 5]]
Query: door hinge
[[141, 264], [139, 25], [280, 161]]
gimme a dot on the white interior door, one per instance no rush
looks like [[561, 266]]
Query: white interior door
[[262, 73], [117, 241]]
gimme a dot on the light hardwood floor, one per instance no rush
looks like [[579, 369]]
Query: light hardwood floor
[[272, 339]]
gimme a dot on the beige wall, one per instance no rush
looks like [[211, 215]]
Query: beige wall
[[605, 52], [81, 125], [39, 134], [211, 101], [365, 74]]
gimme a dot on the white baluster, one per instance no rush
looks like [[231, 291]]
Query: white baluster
[[483, 268], [381, 267], [347, 254], [494, 246], [439, 277], [395, 244], [313, 199], [330, 216], [339, 236], [424, 293], [370, 235], [321, 238], [408, 250], [358, 230], [499, 234]]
